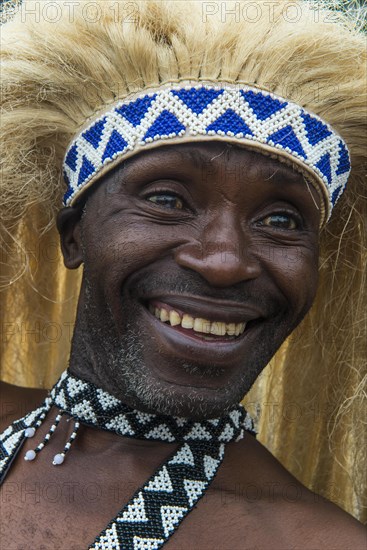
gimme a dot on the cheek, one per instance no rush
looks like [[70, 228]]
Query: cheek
[[294, 269], [120, 249]]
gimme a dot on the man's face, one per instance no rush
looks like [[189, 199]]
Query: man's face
[[199, 260]]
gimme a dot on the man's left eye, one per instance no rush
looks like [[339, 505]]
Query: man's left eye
[[280, 221], [167, 201]]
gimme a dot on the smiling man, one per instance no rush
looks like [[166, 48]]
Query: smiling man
[[196, 195], [196, 274]]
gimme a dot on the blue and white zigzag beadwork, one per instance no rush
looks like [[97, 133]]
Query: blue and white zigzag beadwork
[[246, 114]]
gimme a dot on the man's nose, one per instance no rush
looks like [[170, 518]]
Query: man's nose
[[222, 254]]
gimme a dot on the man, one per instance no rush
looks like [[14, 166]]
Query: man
[[195, 208]]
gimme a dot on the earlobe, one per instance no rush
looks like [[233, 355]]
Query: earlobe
[[68, 225]]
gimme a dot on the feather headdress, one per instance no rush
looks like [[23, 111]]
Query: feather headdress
[[63, 62]]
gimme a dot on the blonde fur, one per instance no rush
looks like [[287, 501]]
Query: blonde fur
[[56, 75]]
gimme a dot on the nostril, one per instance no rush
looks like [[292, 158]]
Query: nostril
[[219, 263]]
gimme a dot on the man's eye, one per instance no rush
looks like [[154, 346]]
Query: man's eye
[[281, 221], [167, 201]]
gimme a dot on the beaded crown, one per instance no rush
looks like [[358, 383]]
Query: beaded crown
[[193, 112]]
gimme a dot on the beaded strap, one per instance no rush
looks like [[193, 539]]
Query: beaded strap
[[182, 113], [156, 510]]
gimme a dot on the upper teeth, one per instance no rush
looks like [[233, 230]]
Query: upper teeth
[[218, 328]]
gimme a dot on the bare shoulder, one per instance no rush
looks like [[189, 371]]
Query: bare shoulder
[[16, 402], [332, 527], [307, 520]]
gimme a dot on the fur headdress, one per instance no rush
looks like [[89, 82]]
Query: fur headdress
[[63, 62]]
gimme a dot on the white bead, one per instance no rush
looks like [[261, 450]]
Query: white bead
[[30, 455], [58, 459], [29, 432]]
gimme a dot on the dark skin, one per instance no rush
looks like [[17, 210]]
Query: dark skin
[[180, 226], [215, 249]]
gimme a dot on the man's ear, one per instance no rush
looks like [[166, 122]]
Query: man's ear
[[68, 224]]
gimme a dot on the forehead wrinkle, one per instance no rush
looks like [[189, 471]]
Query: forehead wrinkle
[[196, 156], [201, 155], [267, 168], [270, 169], [280, 173]]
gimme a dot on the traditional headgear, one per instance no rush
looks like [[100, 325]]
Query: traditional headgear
[[191, 112], [87, 84]]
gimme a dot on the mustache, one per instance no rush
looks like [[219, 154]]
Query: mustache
[[193, 284]]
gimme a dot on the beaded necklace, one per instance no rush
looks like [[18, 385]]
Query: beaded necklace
[[157, 508]]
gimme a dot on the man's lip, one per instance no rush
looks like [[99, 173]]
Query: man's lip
[[206, 308]]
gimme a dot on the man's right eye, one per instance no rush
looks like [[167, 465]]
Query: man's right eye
[[167, 200]]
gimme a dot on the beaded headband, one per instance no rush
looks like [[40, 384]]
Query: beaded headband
[[189, 112]]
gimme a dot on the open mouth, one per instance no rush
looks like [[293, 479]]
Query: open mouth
[[198, 327]]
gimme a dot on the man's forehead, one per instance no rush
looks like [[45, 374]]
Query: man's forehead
[[212, 157]]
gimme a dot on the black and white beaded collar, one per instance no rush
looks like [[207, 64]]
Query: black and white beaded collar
[[95, 407], [156, 510]]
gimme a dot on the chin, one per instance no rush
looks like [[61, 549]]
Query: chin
[[206, 393], [155, 368], [189, 402]]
